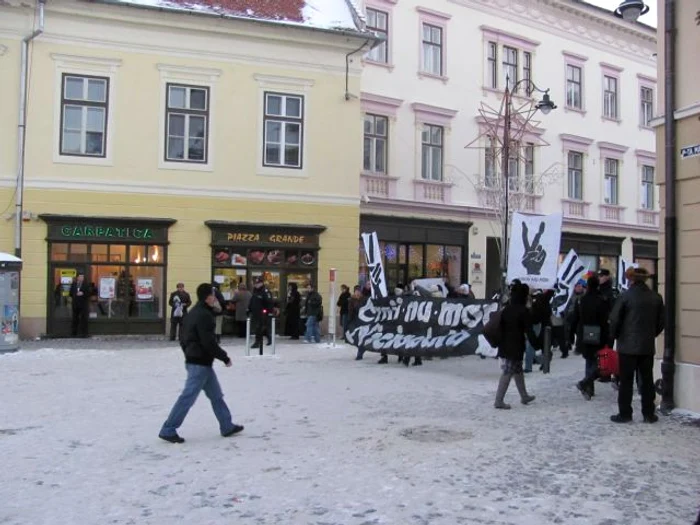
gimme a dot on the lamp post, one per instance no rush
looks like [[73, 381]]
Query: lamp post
[[545, 106]]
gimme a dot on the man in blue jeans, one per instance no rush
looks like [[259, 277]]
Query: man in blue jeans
[[199, 344], [314, 314]]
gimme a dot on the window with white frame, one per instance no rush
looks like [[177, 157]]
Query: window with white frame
[[431, 151], [378, 22], [432, 50], [646, 95], [610, 97], [492, 65], [284, 127], [510, 66], [187, 123], [490, 162], [574, 87], [575, 175], [84, 101], [612, 167], [514, 166], [529, 157], [527, 72], [648, 188], [375, 148]]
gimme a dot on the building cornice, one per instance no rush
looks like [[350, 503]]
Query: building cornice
[[574, 22]]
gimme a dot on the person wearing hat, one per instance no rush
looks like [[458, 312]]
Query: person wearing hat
[[607, 290], [637, 319], [259, 309], [200, 348]]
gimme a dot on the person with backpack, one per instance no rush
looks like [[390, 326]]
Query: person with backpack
[[515, 325]]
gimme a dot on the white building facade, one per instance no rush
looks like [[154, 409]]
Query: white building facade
[[431, 96]]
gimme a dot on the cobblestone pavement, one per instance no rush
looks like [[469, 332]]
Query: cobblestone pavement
[[328, 440]]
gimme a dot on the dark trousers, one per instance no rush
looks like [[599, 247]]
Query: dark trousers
[[559, 338], [240, 328], [630, 365], [79, 326], [591, 374], [175, 322], [260, 327]]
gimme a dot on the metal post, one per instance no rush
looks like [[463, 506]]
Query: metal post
[[547, 349], [247, 336], [506, 164], [668, 364], [273, 335]]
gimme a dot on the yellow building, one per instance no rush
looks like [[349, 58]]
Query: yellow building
[[683, 169], [166, 145]]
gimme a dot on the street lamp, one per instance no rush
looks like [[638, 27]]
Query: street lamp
[[631, 10], [545, 106]]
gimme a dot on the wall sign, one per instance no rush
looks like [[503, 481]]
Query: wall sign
[[106, 232], [690, 151], [264, 235], [267, 238], [73, 228]]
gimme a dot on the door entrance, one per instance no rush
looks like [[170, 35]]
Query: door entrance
[[61, 303]]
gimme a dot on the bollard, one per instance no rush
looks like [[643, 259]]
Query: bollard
[[273, 334], [547, 350], [247, 337]]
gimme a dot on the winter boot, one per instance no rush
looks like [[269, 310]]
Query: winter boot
[[525, 398], [384, 360], [501, 392]]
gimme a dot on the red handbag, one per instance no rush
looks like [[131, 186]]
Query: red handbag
[[608, 362]]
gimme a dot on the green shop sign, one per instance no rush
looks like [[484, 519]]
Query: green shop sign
[[106, 232]]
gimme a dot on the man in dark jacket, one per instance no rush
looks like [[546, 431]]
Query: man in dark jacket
[[179, 302], [260, 308], [314, 315], [636, 321], [200, 348], [80, 295], [606, 288]]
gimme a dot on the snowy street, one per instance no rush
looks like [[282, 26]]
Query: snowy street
[[327, 440]]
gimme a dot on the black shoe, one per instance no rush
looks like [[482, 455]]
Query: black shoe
[[417, 362], [604, 379], [619, 418], [235, 430], [652, 418], [256, 344], [584, 391], [358, 358], [269, 343], [172, 439], [564, 355], [406, 361], [384, 360]]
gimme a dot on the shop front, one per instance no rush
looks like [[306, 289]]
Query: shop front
[[595, 251], [124, 260], [281, 254], [645, 253], [415, 249]]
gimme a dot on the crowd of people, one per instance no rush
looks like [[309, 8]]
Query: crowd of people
[[596, 318]]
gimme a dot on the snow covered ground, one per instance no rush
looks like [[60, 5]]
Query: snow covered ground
[[327, 441]]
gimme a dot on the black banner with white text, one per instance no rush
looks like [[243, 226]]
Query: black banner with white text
[[419, 326]]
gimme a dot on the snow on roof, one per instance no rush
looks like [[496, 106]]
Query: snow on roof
[[320, 14]]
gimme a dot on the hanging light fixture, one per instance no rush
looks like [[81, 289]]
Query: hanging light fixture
[[546, 105], [631, 10]]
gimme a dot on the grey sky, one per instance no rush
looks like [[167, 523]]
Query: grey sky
[[648, 19]]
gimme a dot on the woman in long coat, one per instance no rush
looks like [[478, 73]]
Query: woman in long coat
[[516, 325], [592, 310], [293, 312]]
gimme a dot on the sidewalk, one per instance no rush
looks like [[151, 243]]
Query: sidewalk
[[328, 440]]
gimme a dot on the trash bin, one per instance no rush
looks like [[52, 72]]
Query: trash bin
[[10, 267]]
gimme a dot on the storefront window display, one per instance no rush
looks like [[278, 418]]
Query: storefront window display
[[280, 254], [123, 261]]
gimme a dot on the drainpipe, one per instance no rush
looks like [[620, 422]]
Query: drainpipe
[[668, 364], [21, 128], [348, 96]]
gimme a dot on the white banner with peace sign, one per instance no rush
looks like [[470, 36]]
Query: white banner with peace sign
[[374, 265], [534, 249], [570, 271], [622, 267]]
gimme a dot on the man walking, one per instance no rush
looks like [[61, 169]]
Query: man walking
[[79, 293], [200, 348], [636, 321], [179, 303]]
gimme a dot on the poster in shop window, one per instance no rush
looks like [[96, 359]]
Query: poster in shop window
[[533, 251], [144, 289], [108, 287]]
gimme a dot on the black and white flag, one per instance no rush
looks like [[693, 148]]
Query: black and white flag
[[622, 282], [534, 249], [570, 271], [374, 265]]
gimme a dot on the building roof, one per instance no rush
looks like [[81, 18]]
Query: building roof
[[338, 15]]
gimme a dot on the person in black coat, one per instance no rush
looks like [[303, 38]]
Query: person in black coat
[[80, 295], [293, 312], [259, 309], [590, 314], [179, 303], [199, 344], [637, 319], [342, 305], [516, 325]]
